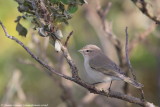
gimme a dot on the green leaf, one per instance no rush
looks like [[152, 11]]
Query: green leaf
[[21, 30], [72, 8]]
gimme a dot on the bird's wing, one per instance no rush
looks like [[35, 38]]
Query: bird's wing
[[103, 64]]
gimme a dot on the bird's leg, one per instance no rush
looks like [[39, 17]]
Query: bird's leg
[[110, 86], [109, 89]]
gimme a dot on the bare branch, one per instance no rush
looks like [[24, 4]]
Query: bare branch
[[75, 76], [103, 12], [142, 6]]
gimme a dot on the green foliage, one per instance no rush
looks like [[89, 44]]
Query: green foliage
[[21, 30], [49, 13], [72, 8], [47, 16]]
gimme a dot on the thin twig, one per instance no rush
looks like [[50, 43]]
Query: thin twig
[[68, 37], [126, 86], [129, 63], [103, 12], [107, 29], [91, 88], [127, 58]]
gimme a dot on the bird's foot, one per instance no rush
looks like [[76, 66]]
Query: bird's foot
[[105, 91], [109, 90]]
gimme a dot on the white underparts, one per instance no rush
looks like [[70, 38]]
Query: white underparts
[[94, 75]]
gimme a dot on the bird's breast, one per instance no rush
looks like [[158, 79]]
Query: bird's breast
[[96, 76]]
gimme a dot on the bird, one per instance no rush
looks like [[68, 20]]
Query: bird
[[102, 69]]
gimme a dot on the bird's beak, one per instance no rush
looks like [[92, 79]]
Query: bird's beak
[[80, 50]]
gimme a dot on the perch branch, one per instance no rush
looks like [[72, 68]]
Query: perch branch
[[75, 78]]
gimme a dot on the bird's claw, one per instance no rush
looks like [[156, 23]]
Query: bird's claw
[[108, 92]]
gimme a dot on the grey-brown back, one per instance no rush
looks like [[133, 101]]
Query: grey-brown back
[[103, 64]]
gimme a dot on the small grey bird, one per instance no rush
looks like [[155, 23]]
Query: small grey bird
[[101, 69]]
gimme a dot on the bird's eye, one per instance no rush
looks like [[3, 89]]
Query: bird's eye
[[87, 50]]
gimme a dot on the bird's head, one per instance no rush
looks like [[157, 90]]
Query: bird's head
[[90, 51]]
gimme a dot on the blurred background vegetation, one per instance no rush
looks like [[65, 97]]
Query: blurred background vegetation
[[38, 88]]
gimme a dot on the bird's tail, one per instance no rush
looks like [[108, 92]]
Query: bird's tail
[[131, 81]]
